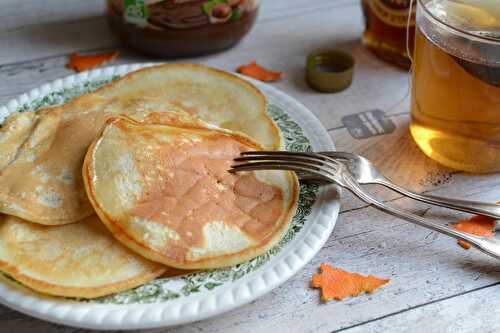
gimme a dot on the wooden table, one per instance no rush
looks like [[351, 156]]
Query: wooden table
[[435, 286]]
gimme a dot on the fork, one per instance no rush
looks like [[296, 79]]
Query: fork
[[334, 171], [366, 173]]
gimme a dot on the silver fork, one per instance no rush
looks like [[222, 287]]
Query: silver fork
[[366, 173], [336, 172]]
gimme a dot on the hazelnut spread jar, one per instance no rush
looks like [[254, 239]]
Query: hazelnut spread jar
[[177, 28]]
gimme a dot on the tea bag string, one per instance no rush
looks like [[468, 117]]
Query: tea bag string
[[410, 56], [408, 23]]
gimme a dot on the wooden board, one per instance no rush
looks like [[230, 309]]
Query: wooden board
[[435, 285]]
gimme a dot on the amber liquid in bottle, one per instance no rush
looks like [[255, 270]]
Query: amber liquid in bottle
[[386, 29]]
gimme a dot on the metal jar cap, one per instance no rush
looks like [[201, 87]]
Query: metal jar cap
[[329, 70]]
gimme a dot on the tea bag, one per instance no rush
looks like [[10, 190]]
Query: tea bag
[[476, 17]]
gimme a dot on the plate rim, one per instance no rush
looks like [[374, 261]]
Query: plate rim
[[305, 245]]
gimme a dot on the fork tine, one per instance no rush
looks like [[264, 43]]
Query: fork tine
[[281, 153], [253, 166], [338, 154], [277, 166], [308, 156], [324, 171], [284, 155], [295, 158], [305, 175], [318, 161]]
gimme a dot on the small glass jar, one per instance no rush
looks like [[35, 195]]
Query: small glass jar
[[179, 28], [387, 25]]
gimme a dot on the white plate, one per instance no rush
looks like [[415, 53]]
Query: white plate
[[174, 301]]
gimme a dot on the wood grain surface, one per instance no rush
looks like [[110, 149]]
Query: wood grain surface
[[435, 286]]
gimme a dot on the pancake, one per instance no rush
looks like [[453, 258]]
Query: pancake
[[41, 156], [41, 153], [165, 192], [76, 260], [217, 97]]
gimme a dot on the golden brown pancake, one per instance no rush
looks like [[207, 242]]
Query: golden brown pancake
[[41, 153], [165, 192], [76, 260], [216, 97], [41, 156]]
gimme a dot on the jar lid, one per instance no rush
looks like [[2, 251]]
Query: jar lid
[[329, 70]]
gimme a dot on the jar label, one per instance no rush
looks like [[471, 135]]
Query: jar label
[[136, 12], [183, 14], [394, 12]]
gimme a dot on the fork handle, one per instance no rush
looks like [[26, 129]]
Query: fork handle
[[473, 207], [489, 246]]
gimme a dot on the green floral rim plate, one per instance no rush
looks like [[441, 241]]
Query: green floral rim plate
[[175, 300]]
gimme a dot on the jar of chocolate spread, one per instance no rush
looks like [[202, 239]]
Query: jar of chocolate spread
[[177, 28]]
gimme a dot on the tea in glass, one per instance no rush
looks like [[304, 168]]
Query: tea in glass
[[456, 83]]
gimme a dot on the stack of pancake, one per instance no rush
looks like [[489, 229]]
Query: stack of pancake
[[109, 190]]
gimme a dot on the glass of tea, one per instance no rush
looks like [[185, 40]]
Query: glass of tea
[[456, 83]]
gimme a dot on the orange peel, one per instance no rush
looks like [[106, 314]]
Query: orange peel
[[258, 72], [80, 63], [337, 284], [477, 225]]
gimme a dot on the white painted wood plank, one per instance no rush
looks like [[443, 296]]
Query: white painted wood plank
[[16, 13], [477, 311], [33, 42]]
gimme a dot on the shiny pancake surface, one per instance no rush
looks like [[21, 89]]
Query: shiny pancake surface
[[75, 260], [41, 153], [164, 191]]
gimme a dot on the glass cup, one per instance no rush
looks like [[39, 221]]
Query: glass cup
[[456, 83]]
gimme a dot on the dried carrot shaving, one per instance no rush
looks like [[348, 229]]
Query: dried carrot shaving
[[338, 284], [476, 225], [81, 63], [258, 72]]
